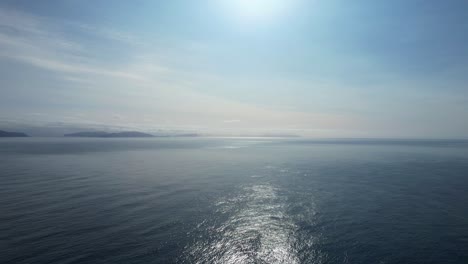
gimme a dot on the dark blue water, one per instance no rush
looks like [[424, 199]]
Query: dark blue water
[[233, 201]]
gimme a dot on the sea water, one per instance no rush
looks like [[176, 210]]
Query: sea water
[[233, 200]]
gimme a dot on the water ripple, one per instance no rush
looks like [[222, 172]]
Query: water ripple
[[257, 230]]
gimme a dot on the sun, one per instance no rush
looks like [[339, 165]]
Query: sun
[[257, 11]]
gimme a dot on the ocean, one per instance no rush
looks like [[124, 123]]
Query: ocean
[[233, 200]]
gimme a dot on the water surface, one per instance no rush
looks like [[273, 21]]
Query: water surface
[[233, 201]]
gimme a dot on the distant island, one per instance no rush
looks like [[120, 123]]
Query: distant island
[[12, 134], [99, 134]]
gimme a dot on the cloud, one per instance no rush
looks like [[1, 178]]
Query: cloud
[[148, 86], [42, 43], [231, 121]]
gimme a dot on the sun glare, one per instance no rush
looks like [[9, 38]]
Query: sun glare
[[257, 11]]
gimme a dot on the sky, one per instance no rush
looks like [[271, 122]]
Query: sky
[[319, 68]]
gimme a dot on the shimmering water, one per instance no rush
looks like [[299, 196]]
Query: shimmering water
[[233, 201]]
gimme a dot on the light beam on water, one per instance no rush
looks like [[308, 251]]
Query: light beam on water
[[258, 229]]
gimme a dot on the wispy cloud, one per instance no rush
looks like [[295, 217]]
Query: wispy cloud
[[231, 121], [42, 43], [148, 88]]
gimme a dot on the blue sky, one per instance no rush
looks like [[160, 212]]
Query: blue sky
[[320, 68]]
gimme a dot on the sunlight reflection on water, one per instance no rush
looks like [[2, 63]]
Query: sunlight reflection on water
[[258, 230]]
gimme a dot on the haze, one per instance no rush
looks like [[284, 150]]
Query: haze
[[331, 68]]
